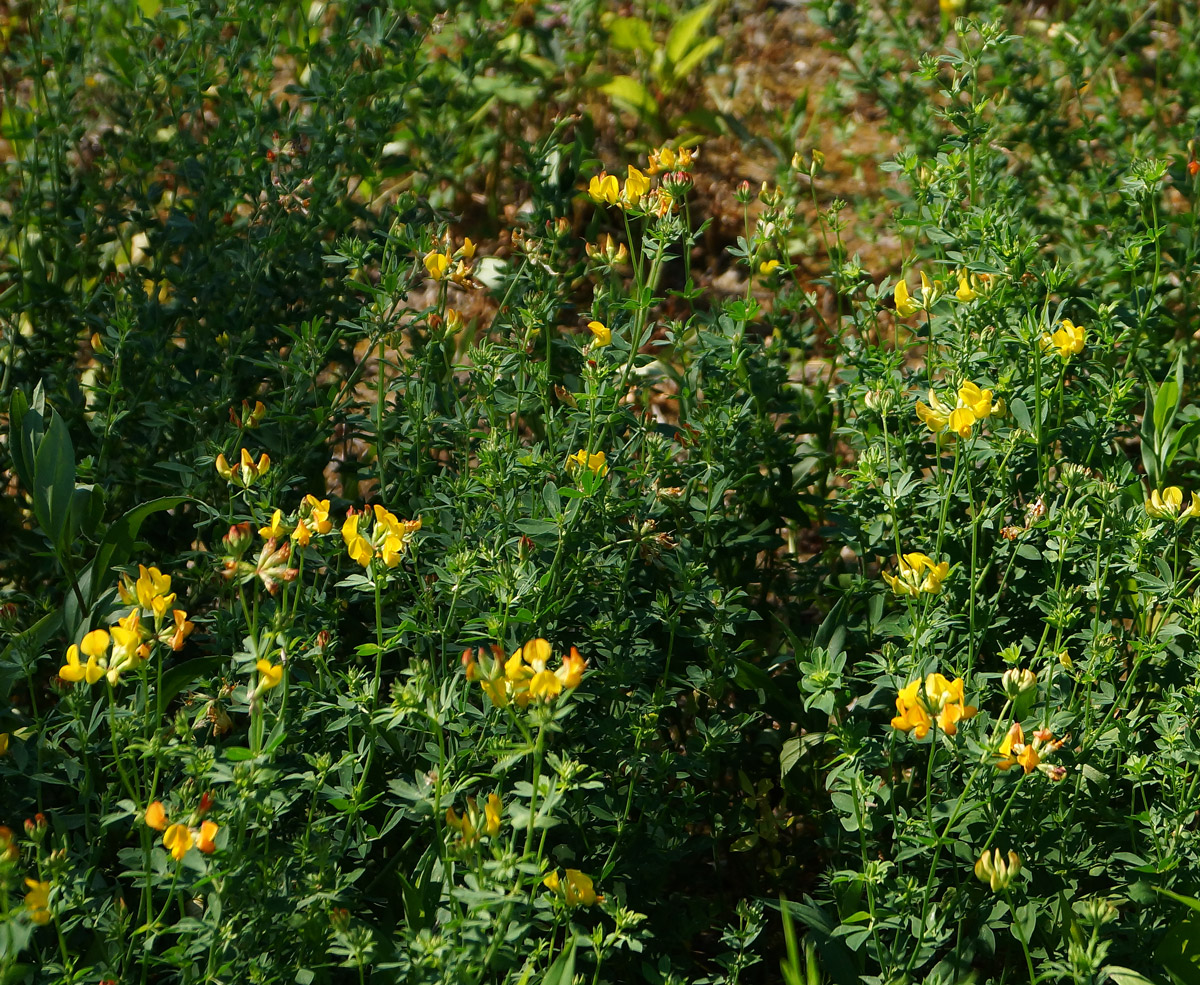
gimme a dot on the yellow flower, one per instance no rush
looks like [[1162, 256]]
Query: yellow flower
[[387, 539], [37, 901], [965, 291], [1168, 505], [95, 648], [918, 573], [276, 529], [1067, 341], [997, 870], [269, 675], [3, 750], [936, 699], [596, 462], [492, 811], [570, 671], [601, 335], [972, 406], [636, 185], [767, 267], [662, 159], [575, 890], [245, 473], [930, 292], [313, 519], [177, 840], [604, 189], [151, 592], [437, 264], [180, 629], [905, 305], [473, 825]]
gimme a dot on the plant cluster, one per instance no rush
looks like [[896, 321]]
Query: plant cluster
[[432, 555]]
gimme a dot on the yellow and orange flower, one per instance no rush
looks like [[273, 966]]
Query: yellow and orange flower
[[1015, 751], [524, 677], [935, 699]]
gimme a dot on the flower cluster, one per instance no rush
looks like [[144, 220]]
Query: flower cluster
[[1067, 341], [386, 539], [1168, 505], [271, 566], [311, 519], [473, 824], [244, 472], [178, 838], [126, 644], [918, 573], [637, 191], [667, 159], [524, 677], [997, 870], [972, 406], [605, 189], [452, 265], [574, 889], [1014, 751], [935, 699]]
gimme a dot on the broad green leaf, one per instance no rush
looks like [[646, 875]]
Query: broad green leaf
[[54, 480], [117, 545], [685, 66], [631, 34], [562, 972], [630, 94], [1179, 950], [684, 30], [1127, 976]]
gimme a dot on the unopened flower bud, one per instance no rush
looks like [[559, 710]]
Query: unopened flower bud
[[1016, 682], [997, 870], [743, 194], [677, 183], [238, 539]]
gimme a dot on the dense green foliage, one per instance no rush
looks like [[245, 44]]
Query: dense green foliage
[[428, 557]]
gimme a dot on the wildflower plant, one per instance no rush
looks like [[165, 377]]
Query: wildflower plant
[[479, 509]]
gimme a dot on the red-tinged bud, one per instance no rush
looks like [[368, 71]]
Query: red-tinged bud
[[1193, 168], [206, 802], [677, 183], [743, 194], [323, 640], [238, 539]]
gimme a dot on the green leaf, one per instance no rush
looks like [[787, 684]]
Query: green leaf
[[683, 32], [1179, 950], [631, 34], [685, 66], [1127, 976], [54, 480], [117, 545], [628, 93], [562, 972], [188, 673]]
